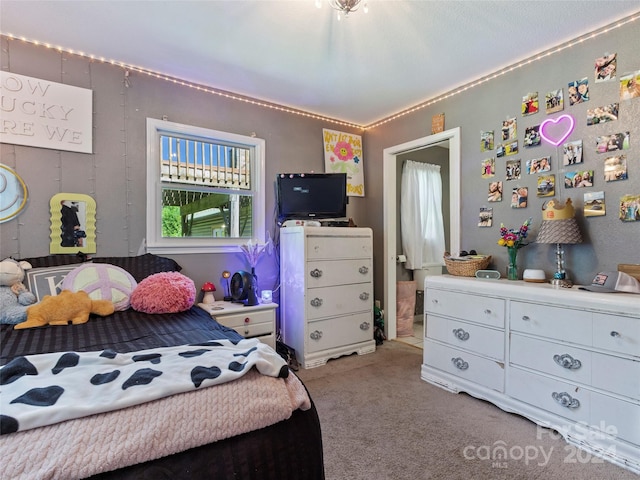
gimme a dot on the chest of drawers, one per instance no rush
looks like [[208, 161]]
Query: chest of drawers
[[565, 358], [326, 276]]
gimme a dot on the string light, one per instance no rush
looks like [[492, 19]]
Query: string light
[[280, 108], [505, 70]]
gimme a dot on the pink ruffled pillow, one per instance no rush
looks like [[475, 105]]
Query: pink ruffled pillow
[[165, 292]]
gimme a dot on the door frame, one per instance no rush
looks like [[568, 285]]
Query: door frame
[[389, 163]]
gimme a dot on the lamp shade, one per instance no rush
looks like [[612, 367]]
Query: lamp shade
[[559, 224]]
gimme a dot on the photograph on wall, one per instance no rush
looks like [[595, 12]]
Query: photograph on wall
[[509, 129], [532, 136], [513, 169], [630, 86], [630, 208], [495, 192], [485, 217], [607, 113], [578, 179], [546, 186], [73, 223], [519, 196], [572, 152], [606, 67], [613, 142], [511, 148], [488, 167], [530, 104], [615, 168], [538, 165], [554, 101], [343, 154], [594, 204], [486, 141], [578, 91]]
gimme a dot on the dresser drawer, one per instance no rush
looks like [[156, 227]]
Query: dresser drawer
[[475, 308], [339, 331], [473, 368], [570, 363], [617, 333], [243, 319], [338, 272], [616, 417], [549, 394], [332, 301], [254, 329], [468, 336], [332, 247], [552, 322], [617, 375]]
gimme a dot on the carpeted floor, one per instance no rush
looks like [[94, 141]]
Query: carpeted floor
[[381, 421]]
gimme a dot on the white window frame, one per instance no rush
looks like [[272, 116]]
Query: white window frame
[[155, 242]]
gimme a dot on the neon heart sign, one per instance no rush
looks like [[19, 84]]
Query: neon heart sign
[[555, 136]]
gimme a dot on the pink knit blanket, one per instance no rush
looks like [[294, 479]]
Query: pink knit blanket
[[78, 449]]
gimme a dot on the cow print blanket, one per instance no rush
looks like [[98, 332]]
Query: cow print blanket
[[38, 390]]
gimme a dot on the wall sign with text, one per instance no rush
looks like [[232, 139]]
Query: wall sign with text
[[40, 113]]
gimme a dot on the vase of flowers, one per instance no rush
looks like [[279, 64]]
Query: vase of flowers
[[514, 240]]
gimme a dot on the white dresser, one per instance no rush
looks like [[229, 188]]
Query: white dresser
[[326, 276], [564, 358]]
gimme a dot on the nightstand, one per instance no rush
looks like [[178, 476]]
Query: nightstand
[[258, 321]]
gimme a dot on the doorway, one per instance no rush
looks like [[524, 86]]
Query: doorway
[[390, 160]]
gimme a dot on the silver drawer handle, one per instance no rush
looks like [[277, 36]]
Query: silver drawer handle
[[365, 326], [364, 296], [615, 334], [525, 318], [461, 334], [316, 335], [315, 273], [316, 302], [363, 270], [567, 361], [434, 301], [565, 400], [487, 311], [459, 363]]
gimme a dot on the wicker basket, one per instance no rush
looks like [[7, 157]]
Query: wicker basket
[[466, 268]]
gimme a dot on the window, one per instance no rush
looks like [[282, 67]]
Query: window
[[205, 189]]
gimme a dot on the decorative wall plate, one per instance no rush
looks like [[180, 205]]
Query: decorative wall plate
[[13, 193]]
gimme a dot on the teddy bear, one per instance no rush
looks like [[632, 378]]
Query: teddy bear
[[68, 306], [14, 296]]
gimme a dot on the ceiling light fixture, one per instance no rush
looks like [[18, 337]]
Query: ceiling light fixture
[[344, 6]]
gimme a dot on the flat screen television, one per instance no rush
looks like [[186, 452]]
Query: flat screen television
[[311, 196]]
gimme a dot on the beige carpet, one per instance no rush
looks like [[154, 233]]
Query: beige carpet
[[381, 421]]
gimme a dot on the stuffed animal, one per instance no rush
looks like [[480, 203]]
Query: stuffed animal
[[14, 296], [66, 307]]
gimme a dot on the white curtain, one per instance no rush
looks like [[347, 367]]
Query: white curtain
[[421, 221]]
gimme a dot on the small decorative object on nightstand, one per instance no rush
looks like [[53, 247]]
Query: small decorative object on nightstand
[[208, 288], [227, 294]]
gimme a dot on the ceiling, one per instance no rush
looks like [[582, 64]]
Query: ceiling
[[360, 70]]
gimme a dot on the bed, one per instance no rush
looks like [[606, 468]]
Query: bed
[[253, 427]]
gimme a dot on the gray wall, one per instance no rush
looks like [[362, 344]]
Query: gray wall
[[115, 174], [607, 240]]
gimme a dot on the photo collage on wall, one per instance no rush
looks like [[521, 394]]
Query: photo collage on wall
[[569, 170]]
